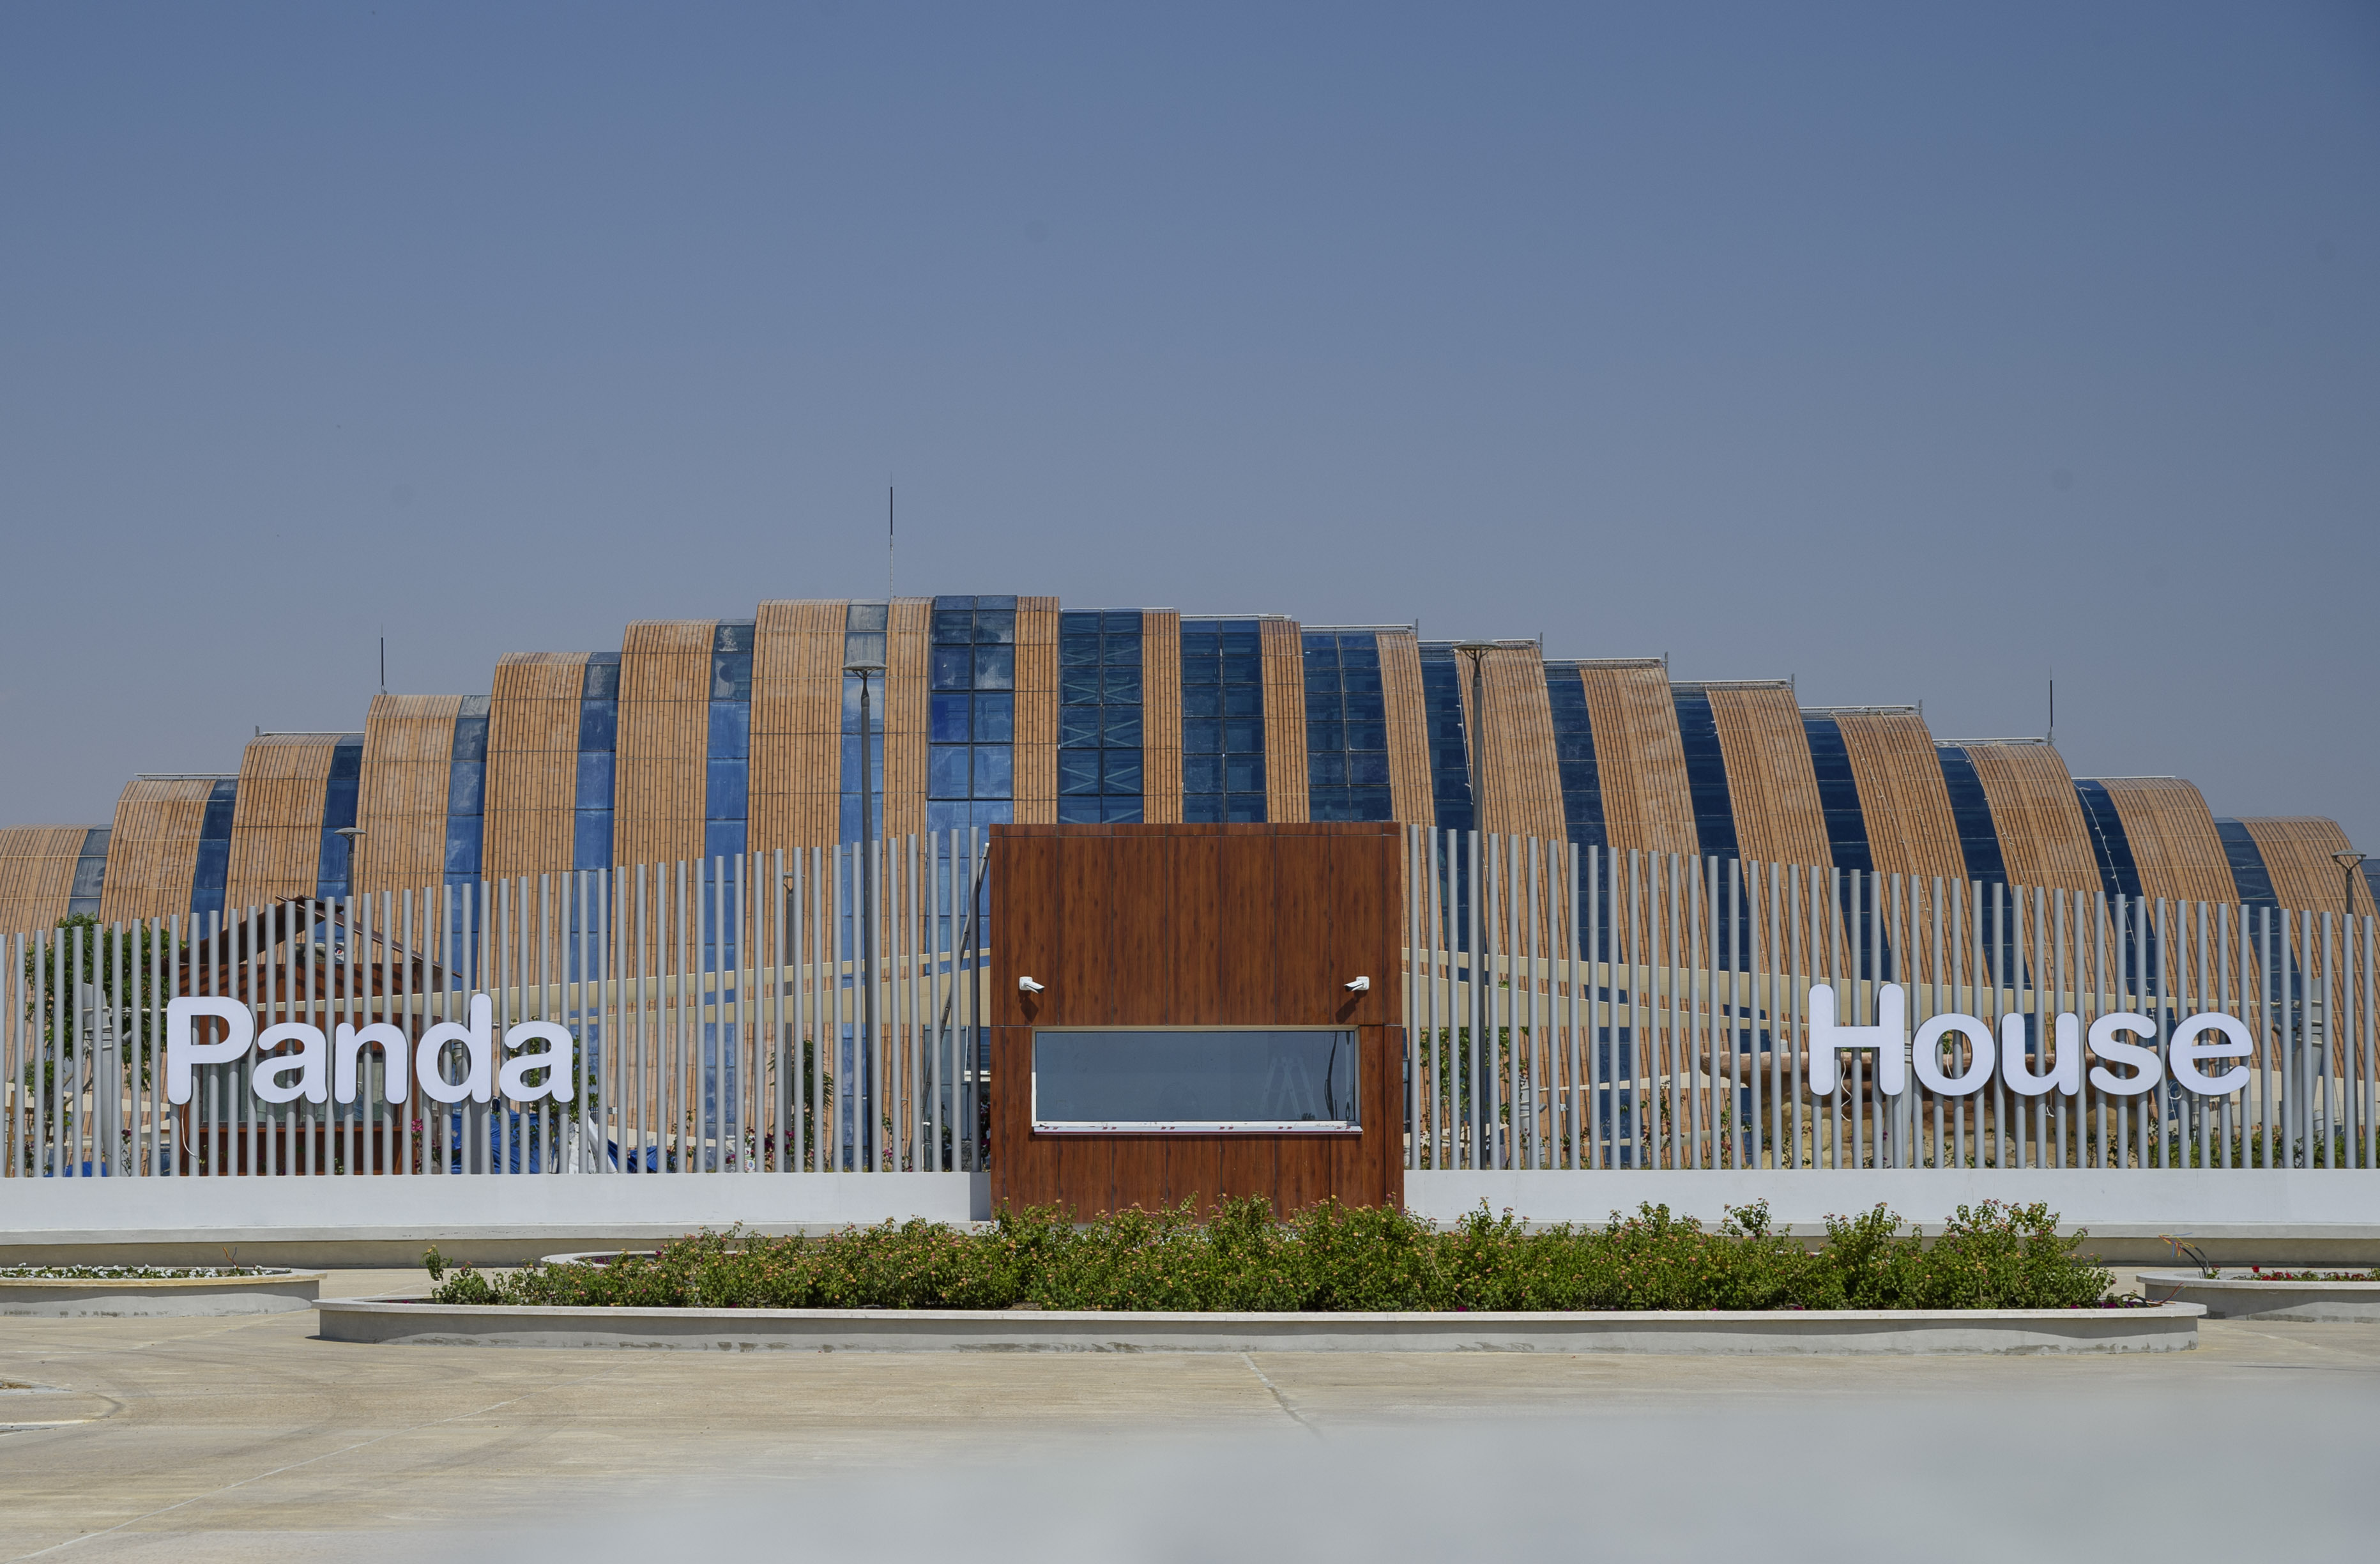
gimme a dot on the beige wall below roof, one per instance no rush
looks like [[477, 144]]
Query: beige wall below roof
[[2296, 851], [401, 800], [37, 865], [2174, 846], [276, 823], [153, 851]]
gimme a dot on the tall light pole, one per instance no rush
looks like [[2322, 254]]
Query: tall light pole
[[354, 836], [866, 951], [2348, 863], [1486, 1151]]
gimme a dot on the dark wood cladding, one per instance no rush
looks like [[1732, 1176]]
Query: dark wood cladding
[[1195, 925]]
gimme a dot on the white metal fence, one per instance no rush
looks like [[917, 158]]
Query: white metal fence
[[733, 1016], [1649, 1011], [1633, 1011]]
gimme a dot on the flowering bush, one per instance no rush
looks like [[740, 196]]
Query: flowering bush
[[1332, 1257]]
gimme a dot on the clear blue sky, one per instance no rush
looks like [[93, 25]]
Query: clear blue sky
[[1909, 350]]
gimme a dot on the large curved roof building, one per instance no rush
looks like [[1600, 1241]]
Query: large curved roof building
[[709, 737]]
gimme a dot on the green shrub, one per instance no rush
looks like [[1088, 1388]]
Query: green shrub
[[1332, 1257]]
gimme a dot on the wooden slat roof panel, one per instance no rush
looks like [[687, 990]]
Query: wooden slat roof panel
[[796, 770], [1161, 717], [1283, 663], [1409, 790], [1772, 787], [2044, 841], [1640, 761], [665, 735], [277, 828], [37, 865], [1035, 767], [1903, 799], [2174, 846], [152, 851], [2297, 853], [401, 803]]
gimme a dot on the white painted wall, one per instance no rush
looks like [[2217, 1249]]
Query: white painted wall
[[257, 1210], [2111, 1202]]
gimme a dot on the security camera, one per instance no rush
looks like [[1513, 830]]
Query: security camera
[[1361, 985], [1026, 985]]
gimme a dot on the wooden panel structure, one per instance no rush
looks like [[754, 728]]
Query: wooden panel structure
[[1515, 775], [2296, 850], [1771, 785], [532, 791], [795, 773], [401, 803], [1903, 800], [2044, 841], [1409, 791], [1640, 762], [1160, 717], [908, 625], [2174, 846], [664, 735], [1286, 799], [1035, 785], [1195, 925], [154, 850], [37, 869], [277, 826]]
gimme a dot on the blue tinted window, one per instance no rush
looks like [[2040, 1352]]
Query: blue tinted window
[[730, 677], [1979, 839], [1449, 764], [723, 790], [592, 843], [994, 719], [471, 739], [466, 786], [731, 729], [600, 681], [595, 781], [2108, 839], [1099, 722], [971, 758], [953, 668], [723, 838], [1838, 793], [598, 724], [947, 723], [947, 768], [462, 847], [991, 771], [995, 668], [2247, 860], [1705, 774]]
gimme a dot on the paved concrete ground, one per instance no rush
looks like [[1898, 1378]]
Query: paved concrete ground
[[198, 1439]]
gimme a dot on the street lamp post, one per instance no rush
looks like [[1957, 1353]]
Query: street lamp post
[[2348, 863], [354, 836], [1485, 1152], [865, 1045]]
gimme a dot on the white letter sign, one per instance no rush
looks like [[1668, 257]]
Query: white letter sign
[[182, 1052], [1888, 1037]]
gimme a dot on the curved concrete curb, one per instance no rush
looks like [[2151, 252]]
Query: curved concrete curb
[[275, 1293], [2167, 1328], [2240, 1298]]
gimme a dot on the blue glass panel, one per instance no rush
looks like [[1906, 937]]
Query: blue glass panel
[[1244, 736], [1202, 809], [1119, 729], [470, 738], [1120, 811], [1243, 701], [1121, 687], [1083, 810], [600, 681], [1079, 623], [1078, 770], [1450, 770], [953, 668], [997, 812], [947, 771], [994, 626], [1707, 773], [1326, 768], [1121, 651], [1202, 773], [722, 792], [1206, 701], [2247, 860], [723, 838], [995, 668], [851, 761], [1120, 622], [1327, 804], [216, 824], [463, 846], [594, 785], [212, 863], [953, 627], [1367, 768], [731, 729], [347, 760], [1370, 803], [339, 803], [1120, 772], [1078, 728], [466, 786], [1244, 808], [947, 721], [733, 635], [590, 845], [1243, 668], [1200, 735], [1201, 671], [598, 724], [1244, 773], [1979, 839], [1078, 652], [1838, 793], [994, 719], [1321, 736], [1079, 687], [946, 816], [1368, 735], [1322, 681], [731, 676], [1357, 679], [2116, 868], [992, 771]]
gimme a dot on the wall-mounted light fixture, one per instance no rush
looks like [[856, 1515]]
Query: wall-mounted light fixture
[[1361, 985], [1026, 985]]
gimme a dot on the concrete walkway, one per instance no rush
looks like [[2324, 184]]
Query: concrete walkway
[[198, 1439]]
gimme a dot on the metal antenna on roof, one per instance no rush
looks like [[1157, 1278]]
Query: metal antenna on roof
[[888, 543], [383, 665], [2051, 736]]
